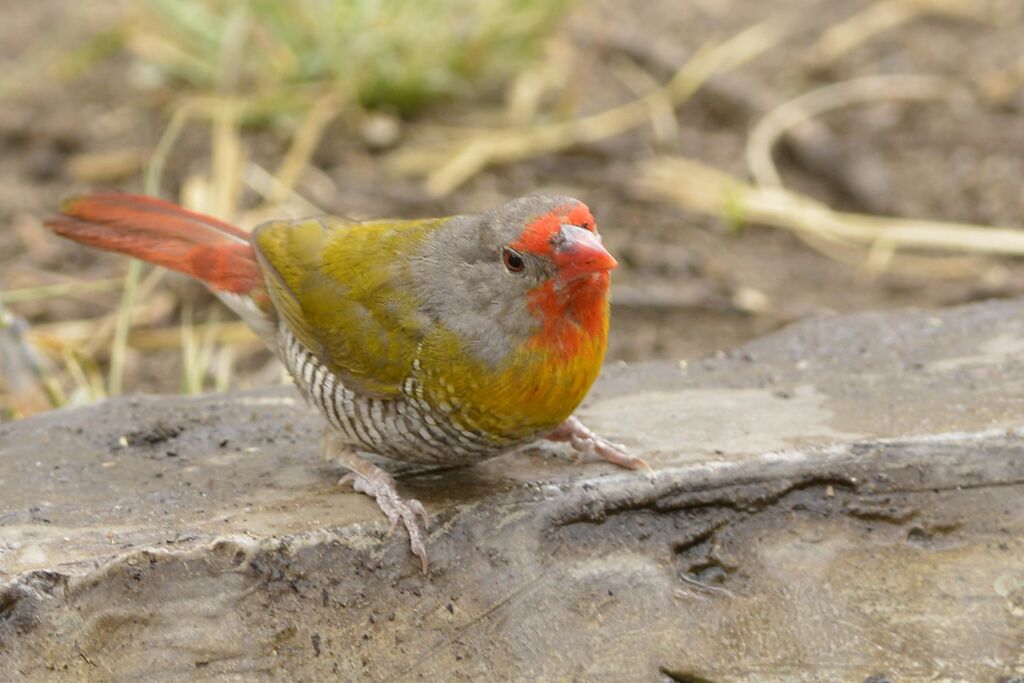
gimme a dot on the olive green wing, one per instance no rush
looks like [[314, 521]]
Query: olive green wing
[[343, 289]]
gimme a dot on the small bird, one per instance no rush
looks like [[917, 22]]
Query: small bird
[[441, 341]]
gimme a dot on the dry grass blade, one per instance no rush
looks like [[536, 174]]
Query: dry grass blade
[[155, 169], [226, 159], [87, 378], [223, 367], [883, 16], [304, 144], [776, 123], [266, 185], [59, 289], [56, 338], [105, 329], [227, 333], [189, 353], [859, 28], [197, 351], [698, 187], [772, 127], [662, 113], [1000, 87], [104, 168], [122, 321], [449, 167]]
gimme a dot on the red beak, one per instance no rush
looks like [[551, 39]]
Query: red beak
[[579, 252]]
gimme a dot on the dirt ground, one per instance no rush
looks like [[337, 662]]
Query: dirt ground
[[684, 287]]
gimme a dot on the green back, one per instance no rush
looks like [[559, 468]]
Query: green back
[[344, 290]]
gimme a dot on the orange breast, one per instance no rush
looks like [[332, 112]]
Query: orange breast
[[542, 382]]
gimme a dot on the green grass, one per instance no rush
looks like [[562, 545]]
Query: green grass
[[397, 54]]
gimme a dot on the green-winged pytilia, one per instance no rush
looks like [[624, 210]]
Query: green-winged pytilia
[[442, 340]]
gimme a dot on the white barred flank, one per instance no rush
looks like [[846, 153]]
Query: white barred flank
[[404, 428]]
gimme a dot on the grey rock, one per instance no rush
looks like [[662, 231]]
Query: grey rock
[[840, 499]]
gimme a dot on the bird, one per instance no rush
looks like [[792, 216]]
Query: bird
[[442, 341]]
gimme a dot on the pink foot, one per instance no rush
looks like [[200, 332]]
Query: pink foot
[[587, 442], [373, 481], [381, 487]]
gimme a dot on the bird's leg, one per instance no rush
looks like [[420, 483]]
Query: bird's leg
[[586, 442], [373, 481]]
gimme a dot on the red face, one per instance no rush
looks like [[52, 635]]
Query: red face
[[568, 236], [572, 305]]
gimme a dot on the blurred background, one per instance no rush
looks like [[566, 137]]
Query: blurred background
[[750, 163]]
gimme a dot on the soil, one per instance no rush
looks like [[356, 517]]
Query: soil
[[685, 278]]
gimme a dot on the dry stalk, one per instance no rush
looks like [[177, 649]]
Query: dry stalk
[[882, 16], [60, 289], [662, 113], [121, 322], [227, 153], [771, 128], [700, 188], [455, 163], [55, 339], [304, 144], [105, 327], [776, 124], [1002, 86]]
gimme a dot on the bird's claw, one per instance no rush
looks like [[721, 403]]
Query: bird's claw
[[409, 512], [586, 442]]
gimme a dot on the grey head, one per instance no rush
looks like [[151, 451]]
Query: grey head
[[474, 274]]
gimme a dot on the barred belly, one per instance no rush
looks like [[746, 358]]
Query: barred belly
[[403, 428]]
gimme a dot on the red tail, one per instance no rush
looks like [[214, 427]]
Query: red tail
[[160, 232]]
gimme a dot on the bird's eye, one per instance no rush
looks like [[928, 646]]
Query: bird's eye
[[513, 260]]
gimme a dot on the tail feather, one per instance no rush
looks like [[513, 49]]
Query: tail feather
[[113, 207], [163, 233]]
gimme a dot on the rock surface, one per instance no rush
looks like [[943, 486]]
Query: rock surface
[[838, 501]]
